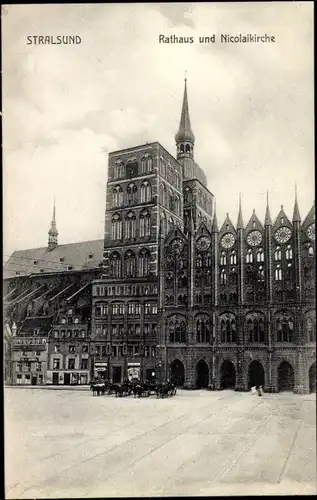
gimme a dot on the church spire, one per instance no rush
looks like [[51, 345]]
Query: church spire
[[240, 224], [53, 233], [268, 220], [296, 215], [214, 227], [185, 138]]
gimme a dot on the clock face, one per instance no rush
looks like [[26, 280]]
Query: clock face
[[311, 231], [227, 241], [203, 243], [283, 234], [177, 245], [254, 238]]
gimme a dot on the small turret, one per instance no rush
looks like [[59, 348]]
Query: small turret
[[268, 220], [240, 224], [53, 233], [296, 214]]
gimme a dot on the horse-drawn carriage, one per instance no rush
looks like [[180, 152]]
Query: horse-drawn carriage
[[136, 387]]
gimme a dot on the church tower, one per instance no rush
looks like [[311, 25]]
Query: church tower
[[53, 233]]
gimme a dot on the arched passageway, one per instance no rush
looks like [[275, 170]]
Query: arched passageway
[[312, 378], [256, 374], [285, 377], [177, 371], [227, 375], [202, 374]]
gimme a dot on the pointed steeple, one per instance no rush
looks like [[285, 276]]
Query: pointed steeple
[[240, 224], [214, 227], [185, 138], [268, 220], [53, 233], [296, 214]]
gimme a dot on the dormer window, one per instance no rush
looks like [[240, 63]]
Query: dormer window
[[61, 259], [69, 268], [35, 262], [282, 220], [90, 255], [253, 224]]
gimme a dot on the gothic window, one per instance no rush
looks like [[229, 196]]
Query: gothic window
[[233, 276], [306, 273], [284, 327], [260, 273], [182, 280], [145, 224], [145, 192], [202, 330], [163, 167], [199, 261], [116, 227], [182, 148], [132, 194], [162, 194], [130, 225], [311, 251], [117, 196], [278, 273], [176, 205], [129, 264], [233, 298], [177, 181], [199, 298], [249, 257], [223, 298], [149, 164], [115, 265], [277, 254], [228, 331], [177, 330], [170, 201], [289, 253], [132, 169], [223, 277], [223, 259], [310, 324], [170, 223], [233, 258], [187, 195], [143, 165], [144, 263], [289, 272], [260, 255], [255, 328]]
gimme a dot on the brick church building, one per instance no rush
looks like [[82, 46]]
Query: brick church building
[[170, 293]]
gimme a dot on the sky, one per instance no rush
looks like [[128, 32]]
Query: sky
[[66, 106]]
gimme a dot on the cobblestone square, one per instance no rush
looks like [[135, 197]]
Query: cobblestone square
[[66, 443]]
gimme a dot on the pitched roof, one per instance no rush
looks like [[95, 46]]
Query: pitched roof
[[72, 256]]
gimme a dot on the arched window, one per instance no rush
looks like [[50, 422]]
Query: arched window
[[170, 223], [260, 273], [117, 196], [260, 255], [289, 252], [187, 195], [278, 273], [228, 328], [289, 272], [255, 327], [132, 194], [202, 330], [249, 257], [311, 251], [149, 164], [115, 265], [199, 261], [144, 263], [143, 165], [223, 277], [177, 181], [250, 329], [223, 259], [310, 328], [233, 257], [163, 223], [284, 327], [130, 225], [177, 331], [129, 264], [163, 167], [171, 201], [233, 276], [145, 224], [145, 192], [132, 168], [277, 254], [176, 205], [116, 227]]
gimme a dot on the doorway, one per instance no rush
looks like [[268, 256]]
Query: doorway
[[202, 375], [34, 380], [66, 378], [285, 377], [116, 374], [227, 375], [256, 374], [177, 371], [55, 378]]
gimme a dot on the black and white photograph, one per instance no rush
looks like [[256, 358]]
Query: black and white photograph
[[159, 318]]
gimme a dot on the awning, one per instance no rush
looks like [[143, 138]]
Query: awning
[[29, 294], [62, 291], [45, 293], [8, 295], [101, 365], [18, 297], [133, 364], [78, 291]]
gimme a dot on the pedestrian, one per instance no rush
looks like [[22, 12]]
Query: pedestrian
[[260, 390], [253, 390]]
